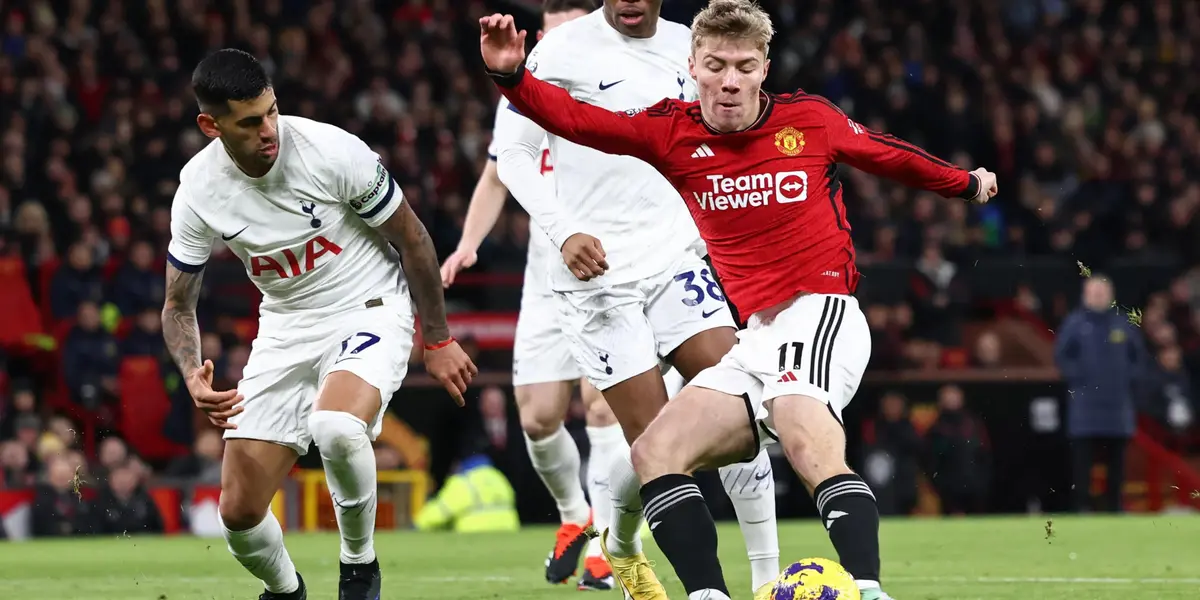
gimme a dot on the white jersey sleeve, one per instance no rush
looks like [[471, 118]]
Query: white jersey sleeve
[[518, 163], [366, 185], [191, 238]]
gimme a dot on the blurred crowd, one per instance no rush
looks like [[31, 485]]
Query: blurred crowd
[[1087, 110]]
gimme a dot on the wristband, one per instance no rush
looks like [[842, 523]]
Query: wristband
[[440, 345]]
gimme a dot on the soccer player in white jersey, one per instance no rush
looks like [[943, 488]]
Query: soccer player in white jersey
[[647, 293], [543, 374], [311, 211]]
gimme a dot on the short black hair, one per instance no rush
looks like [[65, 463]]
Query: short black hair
[[559, 6], [228, 74]]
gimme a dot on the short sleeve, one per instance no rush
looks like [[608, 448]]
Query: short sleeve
[[191, 239], [367, 185]]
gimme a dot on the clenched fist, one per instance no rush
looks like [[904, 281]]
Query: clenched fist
[[584, 256], [987, 186]]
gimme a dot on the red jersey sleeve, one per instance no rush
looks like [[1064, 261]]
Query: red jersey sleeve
[[642, 133], [891, 157]]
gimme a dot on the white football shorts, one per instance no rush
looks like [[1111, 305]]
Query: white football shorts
[[621, 331], [817, 347], [286, 369], [540, 348]]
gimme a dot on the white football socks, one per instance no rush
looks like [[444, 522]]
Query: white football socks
[[625, 489], [751, 488], [350, 476], [556, 460], [260, 550], [606, 443]]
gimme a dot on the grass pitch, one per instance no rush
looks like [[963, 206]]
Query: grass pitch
[[1092, 558]]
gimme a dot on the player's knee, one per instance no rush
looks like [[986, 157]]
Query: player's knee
[[599, 414], [814, 462], [539, 412], [238, 513], [337, 434], [655, 454]]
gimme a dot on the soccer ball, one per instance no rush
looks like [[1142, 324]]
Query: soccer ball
[[815, 579]]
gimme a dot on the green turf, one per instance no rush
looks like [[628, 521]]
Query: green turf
[[1002, 558]]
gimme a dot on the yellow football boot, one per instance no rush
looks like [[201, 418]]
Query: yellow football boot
[[635, 574]]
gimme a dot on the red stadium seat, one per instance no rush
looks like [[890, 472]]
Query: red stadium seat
[[21, 318], [168, 502], [144, 408], [45, 277]]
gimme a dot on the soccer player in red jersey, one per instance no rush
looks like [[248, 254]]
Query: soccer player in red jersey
[[758, 172]]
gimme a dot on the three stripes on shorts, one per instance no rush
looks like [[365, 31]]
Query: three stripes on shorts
[[821, 350]]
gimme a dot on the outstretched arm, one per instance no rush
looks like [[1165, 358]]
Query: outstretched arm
[[891, 157], [630, 133], [640, 133]]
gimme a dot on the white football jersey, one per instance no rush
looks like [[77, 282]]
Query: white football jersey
[[304, 231], [625, 203], [506, 130]]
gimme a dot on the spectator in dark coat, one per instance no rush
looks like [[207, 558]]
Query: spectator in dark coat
[[891, 456], [76, 282], [57, 508], [1171, 399], [90, 359], [124, 506], [1102, 357], [138, 285], [145, 337], [959, 459], [939, 297]]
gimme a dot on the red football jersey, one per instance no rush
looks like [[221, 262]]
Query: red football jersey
[[767, 200]]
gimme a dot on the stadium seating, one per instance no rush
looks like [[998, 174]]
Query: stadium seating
[[144, 408], [19, 316]]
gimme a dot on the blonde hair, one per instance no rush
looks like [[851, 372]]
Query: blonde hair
[[736, 19]]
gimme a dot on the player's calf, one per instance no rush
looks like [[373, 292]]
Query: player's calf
[[815, 444], [552, 451], [699, 428], [251, 471]]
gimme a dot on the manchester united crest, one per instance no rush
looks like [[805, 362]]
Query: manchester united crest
[[789, 141]]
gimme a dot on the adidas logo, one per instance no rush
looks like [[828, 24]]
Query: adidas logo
[[787, 377], [703, 152], [833, 516]]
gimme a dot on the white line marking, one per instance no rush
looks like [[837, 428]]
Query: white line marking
[[1096, 580]]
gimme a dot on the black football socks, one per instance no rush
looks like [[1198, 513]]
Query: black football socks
[[851, 517], [684, 531]]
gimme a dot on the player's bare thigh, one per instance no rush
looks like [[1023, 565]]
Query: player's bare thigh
[[700, 428], [542, 407], [251, 473], [598, 412], [702, 350], [813, 440], [636, 401], [346, 392]]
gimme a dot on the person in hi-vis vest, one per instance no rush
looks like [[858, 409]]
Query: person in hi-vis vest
[[476, 498]]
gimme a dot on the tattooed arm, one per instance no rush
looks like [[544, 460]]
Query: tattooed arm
[[180, 328], [419, 259], [181, 331], [444, 359], [372, 193]]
